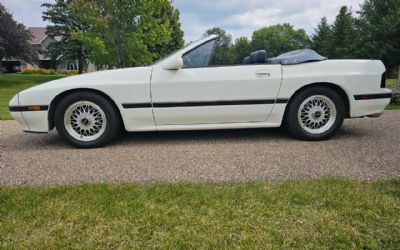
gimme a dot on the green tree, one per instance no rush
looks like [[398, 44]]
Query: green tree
[[223, 51], [64, 24], [242, 49], [280, 38], [379, 26], [127, 33], [344, 34], [323, 39], [15, 39], [168, 14]]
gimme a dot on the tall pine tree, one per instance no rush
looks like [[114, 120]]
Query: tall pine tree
[[379, 24], [323, 39], [344, 34]]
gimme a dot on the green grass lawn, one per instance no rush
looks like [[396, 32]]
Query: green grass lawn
[[330, 213], [393, 107], [11, 84], [391, 83]]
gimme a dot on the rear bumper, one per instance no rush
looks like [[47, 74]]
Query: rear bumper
[[371, 105]]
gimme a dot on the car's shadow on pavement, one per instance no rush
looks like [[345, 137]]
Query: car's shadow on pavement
[[45, 141], [125, 139], [255, 135], [208, 135]]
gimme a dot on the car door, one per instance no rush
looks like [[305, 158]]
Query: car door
[[203, 94]]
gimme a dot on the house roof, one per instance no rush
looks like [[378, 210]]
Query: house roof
[[38, 34]]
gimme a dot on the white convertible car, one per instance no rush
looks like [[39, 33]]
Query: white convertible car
[[305, 92]]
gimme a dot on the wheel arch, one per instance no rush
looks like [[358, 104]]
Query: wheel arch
[[60, 96], [338, 89]]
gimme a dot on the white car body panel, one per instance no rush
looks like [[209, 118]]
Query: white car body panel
[[154, 98], [200, 86], [354, 77], [122, 86]]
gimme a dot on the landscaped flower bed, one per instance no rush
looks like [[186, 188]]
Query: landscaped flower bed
[[49, 71]]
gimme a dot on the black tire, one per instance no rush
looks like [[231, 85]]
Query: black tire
[[292, 123], [112, 118]]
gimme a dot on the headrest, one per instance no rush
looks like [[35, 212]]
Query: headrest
[[258, 57], [247, 60]]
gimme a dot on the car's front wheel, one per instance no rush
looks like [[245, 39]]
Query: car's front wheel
[[315, 114], [86, 120]]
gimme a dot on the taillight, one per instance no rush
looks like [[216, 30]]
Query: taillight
[[383, 81]]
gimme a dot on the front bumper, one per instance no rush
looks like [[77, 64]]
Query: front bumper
[[31, 118]]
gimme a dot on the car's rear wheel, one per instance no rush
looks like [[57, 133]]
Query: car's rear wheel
[[86, 120], [315, 114]]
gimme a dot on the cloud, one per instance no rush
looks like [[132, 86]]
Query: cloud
[[241, 18], [256, 18], [27, 12]]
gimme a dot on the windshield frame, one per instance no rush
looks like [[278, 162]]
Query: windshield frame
[[204, 38]]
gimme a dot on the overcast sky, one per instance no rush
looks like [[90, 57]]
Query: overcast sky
[[238, 17]]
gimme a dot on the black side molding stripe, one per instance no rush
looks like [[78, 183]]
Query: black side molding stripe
[[372, 96], [282, 101], [136, 105], [212, 103], [203, 103], [28, 108]]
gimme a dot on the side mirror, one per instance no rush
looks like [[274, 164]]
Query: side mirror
[[174, 64]]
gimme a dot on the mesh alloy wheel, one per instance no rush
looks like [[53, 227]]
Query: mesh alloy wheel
[[85, 121], [317, 114]]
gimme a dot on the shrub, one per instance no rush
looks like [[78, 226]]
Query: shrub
[[36, 71], [31, 71], [49, 71], [71, 72], [395, 98]]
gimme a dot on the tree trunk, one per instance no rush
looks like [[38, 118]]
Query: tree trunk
[[80, 65], [398, 81], [80, 60]]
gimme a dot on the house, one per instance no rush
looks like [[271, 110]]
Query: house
[[41, 40]]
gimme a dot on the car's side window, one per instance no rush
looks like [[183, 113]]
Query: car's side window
[[200, 56]]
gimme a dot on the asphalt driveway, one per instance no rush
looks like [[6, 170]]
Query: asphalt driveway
[[363, 149]]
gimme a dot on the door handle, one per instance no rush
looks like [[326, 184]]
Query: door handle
[[263, 73]]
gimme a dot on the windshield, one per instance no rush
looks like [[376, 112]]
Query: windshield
[[176, 51]]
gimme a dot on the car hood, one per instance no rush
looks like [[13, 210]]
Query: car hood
[[116, 76]]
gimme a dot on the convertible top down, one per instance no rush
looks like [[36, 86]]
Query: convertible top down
[[307, 93], [290, 58]]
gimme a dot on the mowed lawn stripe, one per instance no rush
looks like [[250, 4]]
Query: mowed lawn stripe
[[329, 213]]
